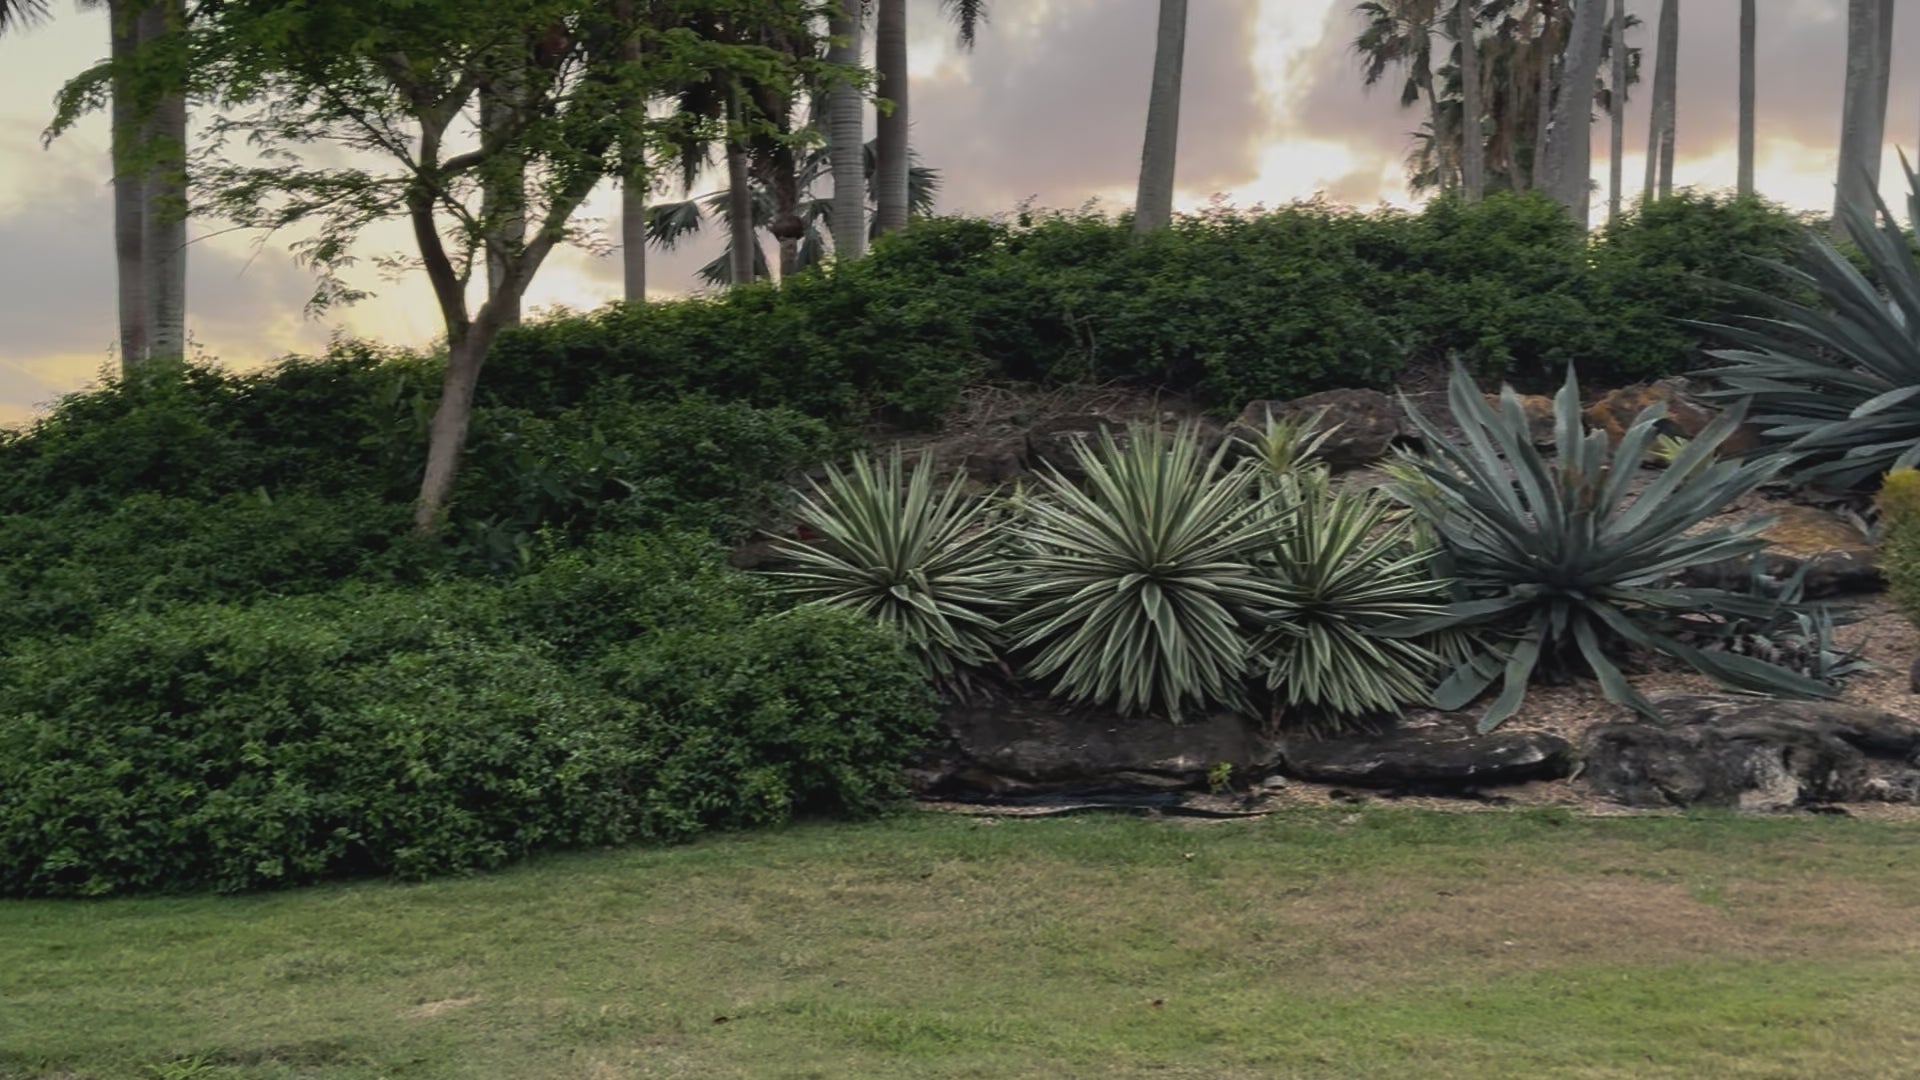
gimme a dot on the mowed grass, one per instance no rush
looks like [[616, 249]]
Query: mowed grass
[[1316, 944]]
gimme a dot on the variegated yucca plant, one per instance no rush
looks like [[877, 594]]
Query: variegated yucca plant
[[1138, 590], [919, 558], [1558, 563]]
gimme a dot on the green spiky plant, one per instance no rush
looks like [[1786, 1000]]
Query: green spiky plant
[[1137, 591], [1348, 567], [1836, 387], [1558, 565], [914, 557], [1287, 442]]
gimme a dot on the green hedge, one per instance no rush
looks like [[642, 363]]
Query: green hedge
[[421, 732]]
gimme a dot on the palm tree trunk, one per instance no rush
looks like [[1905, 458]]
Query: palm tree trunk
[[1616, 166], [503, 197], [1543, 90], [1473, 140], [164, 215], [847, 138], [1570, 150], [740, 234], [890, 151], [1661, 133], [1153, 203], [129, 193], [634, 176], [1864, 108], [1749, 19]]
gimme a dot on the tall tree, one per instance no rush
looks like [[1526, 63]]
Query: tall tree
[[1546, 56], [1749, 26], [1863, 119], [1398, 34], [636, 174], [846, 134], [1569, 172], [892, 78], [1153, 204], [1617, 113], [141, 82], [400, 86], [890, 69], [1661, 130], [1473, 157]]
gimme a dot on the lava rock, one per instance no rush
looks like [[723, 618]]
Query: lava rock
[[1838, 557], [1617, 411], [1050, 443], [1749, 753], [1023, 745], [1443, 755]]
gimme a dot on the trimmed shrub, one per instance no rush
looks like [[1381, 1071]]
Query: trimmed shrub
[[215, 747], [811, 711], [1899, 502]]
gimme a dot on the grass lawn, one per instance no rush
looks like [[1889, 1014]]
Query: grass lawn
[[1380, 943]]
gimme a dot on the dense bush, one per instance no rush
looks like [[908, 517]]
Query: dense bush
[[1899, 502], [437, 730]]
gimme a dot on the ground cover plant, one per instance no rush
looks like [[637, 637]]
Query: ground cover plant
[[1335, 944]]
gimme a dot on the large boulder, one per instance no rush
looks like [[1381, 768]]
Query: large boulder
[[1751, 753], [1364, 423], [1837, 556], [1446, 754], [1027, 746]]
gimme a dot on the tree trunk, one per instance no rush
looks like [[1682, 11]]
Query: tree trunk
[[847, 138], [164, 216], [1473, 139], [1749, 20], [1543, 102], [890, 64], [1660, 132], [447, 434], [634, 175], [129, 194], [1864, 109], [503, 197], [1617, 120], [740, 237], [1569, 177], [1153, 203]]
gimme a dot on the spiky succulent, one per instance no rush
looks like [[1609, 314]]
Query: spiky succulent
[[1561, 563], [916, 558], [1137, 590], [1346, 571], [1837, 386], [1288, 442]]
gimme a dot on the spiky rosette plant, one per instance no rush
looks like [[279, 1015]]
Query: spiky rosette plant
[[1347, 568], [919, 559], [1137, 591], [1559, 564], [1836, 386]]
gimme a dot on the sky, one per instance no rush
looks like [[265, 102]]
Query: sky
[[1048, 109]]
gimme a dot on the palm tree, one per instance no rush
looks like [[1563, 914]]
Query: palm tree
[[149, 177], [1749, 19], [1153, 204], [1617, 112], [1569, 173], [890, 70], [846, 135], [1473, 157], [1660, 132], [671, 224], [1864, 111]]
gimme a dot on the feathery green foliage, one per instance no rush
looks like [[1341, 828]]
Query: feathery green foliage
[[916, 559], [1837, 386], [1135, 592], [1563, 565]]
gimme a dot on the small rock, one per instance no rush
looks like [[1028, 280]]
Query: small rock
[[1913, 677], [1050, 443], [1838, 557], [1686, 418], [1442, 756], [1365, 423]]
